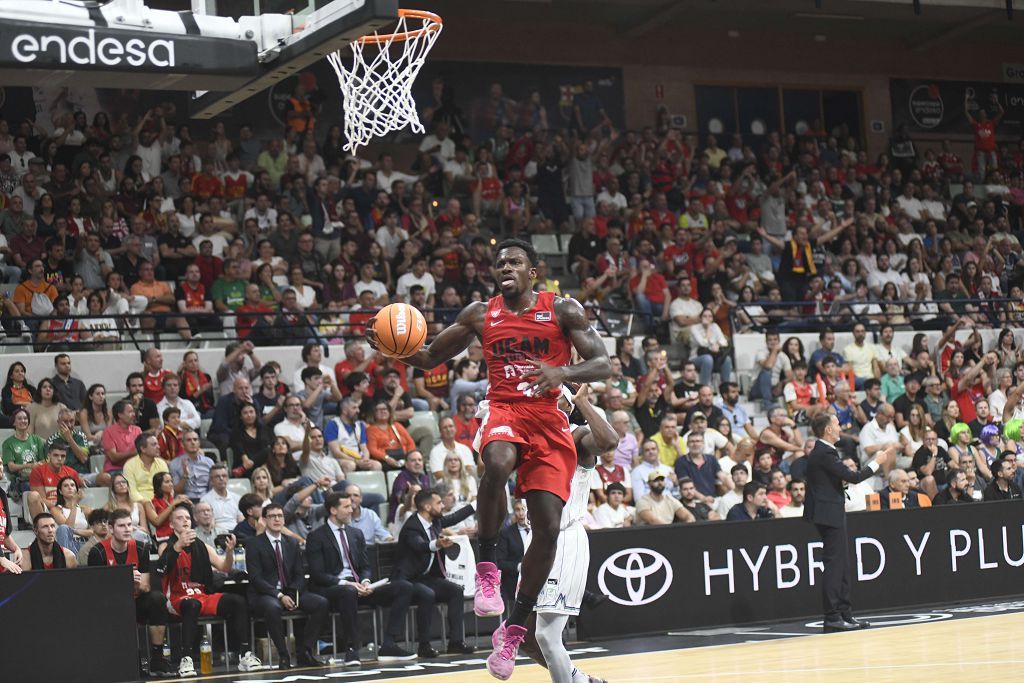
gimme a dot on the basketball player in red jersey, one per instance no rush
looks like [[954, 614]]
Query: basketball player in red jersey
[[528, 339]]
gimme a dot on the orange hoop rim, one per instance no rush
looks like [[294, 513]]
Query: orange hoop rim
[[435, 24]]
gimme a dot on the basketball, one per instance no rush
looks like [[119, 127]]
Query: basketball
[[401, 330]]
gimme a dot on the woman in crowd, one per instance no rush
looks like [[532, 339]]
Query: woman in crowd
[[387, 440], [44, 410], [121, 499], [462, 483], [22, 450], [381, 267], [711, 348], [159, 507], [961, 448], [70, 515], [284, 471], [250, 441], [46, 219], [196, 385], [794, 349], [1006, 349], [950, 417], [262, 484], [912, 435], [101, 333], [17, 392], [94, 416]]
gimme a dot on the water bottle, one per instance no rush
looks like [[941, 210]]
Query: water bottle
[[239, 564], [167, 648], [205, 656]]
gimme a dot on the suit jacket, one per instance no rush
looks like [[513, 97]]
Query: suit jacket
[[261, 565], [909, 501], [826, 496], [323, 553], [413, 554], [510, 553]]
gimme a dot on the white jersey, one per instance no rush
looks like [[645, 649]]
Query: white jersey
[[563, 591], [575, 509]]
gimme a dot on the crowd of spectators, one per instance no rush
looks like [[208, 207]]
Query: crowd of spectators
[[108, 227]]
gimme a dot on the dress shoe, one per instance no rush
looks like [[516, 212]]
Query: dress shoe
[[459, 647], [307, 658], [427, 652], [857, 622], [838, 627], [352, 658], [285, 662]]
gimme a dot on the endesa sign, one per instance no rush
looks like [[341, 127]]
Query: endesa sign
[[33, 45], [724, 573]]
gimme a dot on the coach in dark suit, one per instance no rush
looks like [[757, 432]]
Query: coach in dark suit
[[276, 582], [510, 551], [420, 560], [339, 570], [825, 506]]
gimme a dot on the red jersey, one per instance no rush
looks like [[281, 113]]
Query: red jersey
[[43, 475], [154, 385], [177, 585], [965, 399], [984, 136], [465, 430], [235, 187], [510, 340]]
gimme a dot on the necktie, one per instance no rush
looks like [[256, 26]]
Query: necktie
[[280, 564], [439, 553], [348, 558]]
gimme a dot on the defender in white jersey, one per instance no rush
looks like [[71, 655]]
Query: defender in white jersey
[[562, 594]]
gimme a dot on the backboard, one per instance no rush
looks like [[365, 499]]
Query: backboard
[[223, 50]]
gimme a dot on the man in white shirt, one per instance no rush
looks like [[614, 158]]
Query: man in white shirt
[[885, 350], [649, 462], [797, 492], [390, 235], [418, 276], [223, 502], [683, 312], [438, 143], [20, 156], [171, 399], [312, 357], [910, 204], [449, 446], [29, 192], [880, 433], [264, 214], [387, 175], [740, 474], [933, 205], [615, 514], [611, 195], [882, 276]]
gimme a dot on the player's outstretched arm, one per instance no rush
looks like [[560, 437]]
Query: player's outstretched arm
[[600, 437], [449, 343]]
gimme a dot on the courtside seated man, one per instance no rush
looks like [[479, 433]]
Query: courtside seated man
[[528, 339], [825, 506]]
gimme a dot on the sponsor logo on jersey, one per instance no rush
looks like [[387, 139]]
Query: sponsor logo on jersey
[[542, 316], [495, 431]]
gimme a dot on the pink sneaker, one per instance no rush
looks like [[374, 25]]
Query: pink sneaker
[[502, 662], [498, 637], [487, 602]]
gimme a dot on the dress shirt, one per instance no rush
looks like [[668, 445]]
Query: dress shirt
[[347, 573]]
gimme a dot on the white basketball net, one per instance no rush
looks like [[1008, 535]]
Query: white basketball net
[[376, 88]]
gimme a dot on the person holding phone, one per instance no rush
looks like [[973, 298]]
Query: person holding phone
[[187, 565]]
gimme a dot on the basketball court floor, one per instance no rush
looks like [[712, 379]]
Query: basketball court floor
[[960, 643]]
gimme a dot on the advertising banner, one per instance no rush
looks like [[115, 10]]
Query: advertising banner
[[721, 573], [937, 107]]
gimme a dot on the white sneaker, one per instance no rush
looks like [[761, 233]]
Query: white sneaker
[[185, 667], [249, 662]]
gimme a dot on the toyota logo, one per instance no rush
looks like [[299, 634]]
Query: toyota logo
[[640, 564]]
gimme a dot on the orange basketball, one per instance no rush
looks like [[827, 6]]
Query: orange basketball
[[401, 330]]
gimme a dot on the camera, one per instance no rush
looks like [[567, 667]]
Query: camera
[[221, 542]]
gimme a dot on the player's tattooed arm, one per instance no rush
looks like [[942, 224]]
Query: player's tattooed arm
[[595, 367], [452, 340]]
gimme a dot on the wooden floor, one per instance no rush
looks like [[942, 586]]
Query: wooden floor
[[983, 648]]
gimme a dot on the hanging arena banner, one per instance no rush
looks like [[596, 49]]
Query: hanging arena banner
[[722, 573], [937, 107]]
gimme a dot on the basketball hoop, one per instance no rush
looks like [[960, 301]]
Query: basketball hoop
[[376, 87]]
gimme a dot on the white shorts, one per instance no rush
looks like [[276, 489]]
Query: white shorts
[[563, 591]]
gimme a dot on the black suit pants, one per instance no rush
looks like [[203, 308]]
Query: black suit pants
[[346, 602], [835, 584], [430, 590], [270, 609]]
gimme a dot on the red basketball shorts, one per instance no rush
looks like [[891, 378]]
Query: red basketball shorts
[[207, 603], [547, 454]]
